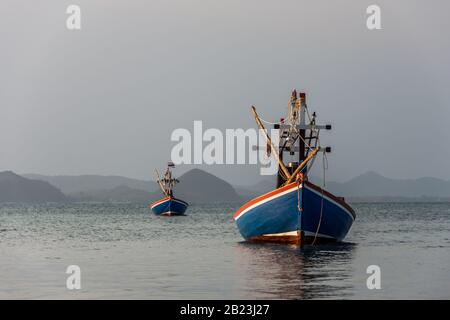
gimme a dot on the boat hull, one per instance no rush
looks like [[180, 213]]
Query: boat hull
[[169, 206], [296, 213]]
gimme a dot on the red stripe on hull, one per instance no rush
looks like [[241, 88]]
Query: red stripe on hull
[[261, 198], [159, 202]]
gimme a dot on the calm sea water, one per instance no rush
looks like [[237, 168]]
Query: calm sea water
[[125, 252]]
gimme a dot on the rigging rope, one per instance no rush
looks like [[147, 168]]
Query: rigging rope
[[268, 122]]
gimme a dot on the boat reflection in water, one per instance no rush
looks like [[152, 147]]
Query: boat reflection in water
[[286, 272]]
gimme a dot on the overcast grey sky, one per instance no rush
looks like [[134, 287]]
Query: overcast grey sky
[[104, 100]]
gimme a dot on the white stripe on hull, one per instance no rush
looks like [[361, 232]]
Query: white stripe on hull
[[267, 200], [282, 234], [180, 202], [155, 205], [167, 200], [294, 233], [319, 235], [167, 213], [331, 200]]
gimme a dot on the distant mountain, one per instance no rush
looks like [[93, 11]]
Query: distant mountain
[[373, 186], [14, 188], [117, 194], [202, 187], [259, 188], [90, 183], [196, 186]]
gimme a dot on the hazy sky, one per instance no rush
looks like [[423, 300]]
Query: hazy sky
[[105, 99]]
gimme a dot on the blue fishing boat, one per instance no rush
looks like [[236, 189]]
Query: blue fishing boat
[[297, 211], [169, 205]]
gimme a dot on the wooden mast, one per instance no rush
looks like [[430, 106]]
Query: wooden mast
[[158, 179], [301, 139], [303, 165], [274, 151]]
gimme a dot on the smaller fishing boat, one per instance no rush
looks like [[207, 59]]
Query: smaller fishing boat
[[169, 205]]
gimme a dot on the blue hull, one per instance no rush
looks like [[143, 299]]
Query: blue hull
[[295, 213], [169, 207]]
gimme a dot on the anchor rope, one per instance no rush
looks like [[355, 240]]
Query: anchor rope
[[324, 167], [314, 130], [298, 203]]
